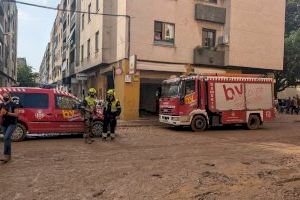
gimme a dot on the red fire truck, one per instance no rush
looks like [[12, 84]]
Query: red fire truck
[[201, 101]]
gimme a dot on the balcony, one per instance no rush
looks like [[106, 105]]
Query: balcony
[[64, 35], [63, 17], [1, 8], [209, 56], [72, 69], [1, 33], [210, 13], [73, 20]]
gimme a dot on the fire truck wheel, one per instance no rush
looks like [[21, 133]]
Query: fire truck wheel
[[97, 129], [199, 123], [19, 134], [253, 122]]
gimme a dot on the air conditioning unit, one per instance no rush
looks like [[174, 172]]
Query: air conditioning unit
[[223, 40]]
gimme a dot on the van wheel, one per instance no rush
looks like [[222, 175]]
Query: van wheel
[[199, 123], [19, 134], [253, 122], [97, 129]]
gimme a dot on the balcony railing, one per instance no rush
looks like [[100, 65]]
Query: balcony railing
[[1, 8], [63, 17], [210, 13], [1, 33], [72, 68], [209, 56], [73, 19]]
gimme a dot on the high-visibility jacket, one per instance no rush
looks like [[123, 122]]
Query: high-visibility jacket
[[113, 107], [90, 104]]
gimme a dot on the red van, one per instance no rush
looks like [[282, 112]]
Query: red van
[[48, 111]]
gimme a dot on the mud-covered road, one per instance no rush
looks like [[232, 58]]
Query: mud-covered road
[[160, 163]]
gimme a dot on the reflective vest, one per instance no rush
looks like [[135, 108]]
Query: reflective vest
[[91, 102], [115, 105]]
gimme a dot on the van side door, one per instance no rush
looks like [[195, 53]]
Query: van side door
[[68, 119]]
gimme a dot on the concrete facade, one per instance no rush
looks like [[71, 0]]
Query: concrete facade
[[172, 38], [44, 67], [8, 43]]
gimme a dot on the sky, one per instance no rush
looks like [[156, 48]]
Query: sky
[[34, 27]]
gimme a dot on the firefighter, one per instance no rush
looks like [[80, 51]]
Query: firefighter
[[112, 109], [88, 110]]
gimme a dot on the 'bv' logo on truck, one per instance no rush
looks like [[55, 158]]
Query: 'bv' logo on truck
[[231, 92]]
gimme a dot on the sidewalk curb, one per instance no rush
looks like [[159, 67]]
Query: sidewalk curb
[[138, 125]]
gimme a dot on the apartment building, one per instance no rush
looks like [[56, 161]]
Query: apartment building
[[71, 47], [21, 62], [57, 49], [62, 52], [141, 45], [8, 43], [44, 67]]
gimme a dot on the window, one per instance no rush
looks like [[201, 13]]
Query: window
[[171, 89], [97, 42], [89, 12], [189, 87], [164, 32], [208, 38], [97, 5], [65, 103], [88, 48], [82, 52], [82, 21], [72, 56], [33, 100]]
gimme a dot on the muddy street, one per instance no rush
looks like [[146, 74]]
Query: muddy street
[[160, 163]]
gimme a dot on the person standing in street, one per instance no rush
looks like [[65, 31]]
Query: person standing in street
[[112, 109], [9, 114], [298, 103], [294, 105], [288, 105], [88, 110]]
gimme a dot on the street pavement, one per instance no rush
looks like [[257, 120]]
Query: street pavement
[[158, 162]]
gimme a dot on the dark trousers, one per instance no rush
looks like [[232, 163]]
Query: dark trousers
[[111, 122], [7, 132], [294, 109]]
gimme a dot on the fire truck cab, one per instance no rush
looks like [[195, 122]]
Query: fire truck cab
[[201, 101]]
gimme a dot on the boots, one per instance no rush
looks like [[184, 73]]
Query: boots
[[104, 136], [112, 136], [6, 158]]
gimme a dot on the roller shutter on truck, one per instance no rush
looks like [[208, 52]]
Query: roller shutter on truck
[[235, 97]]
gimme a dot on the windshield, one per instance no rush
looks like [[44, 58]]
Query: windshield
[[171, 89]]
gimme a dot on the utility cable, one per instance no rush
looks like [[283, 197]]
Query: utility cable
[[61, 9]]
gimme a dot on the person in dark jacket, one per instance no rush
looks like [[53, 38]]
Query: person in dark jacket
[[112, 109], [9, 114]]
